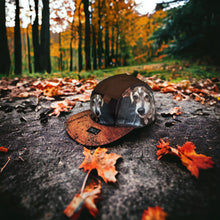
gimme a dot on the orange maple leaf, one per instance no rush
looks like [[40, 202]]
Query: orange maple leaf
[[154, 213], [87, 198], [187, 155], [192, 160], [102, 162]]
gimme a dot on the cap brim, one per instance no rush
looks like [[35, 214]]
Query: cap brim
[[89, 133]]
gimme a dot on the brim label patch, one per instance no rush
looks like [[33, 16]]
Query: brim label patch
[[93, 130]]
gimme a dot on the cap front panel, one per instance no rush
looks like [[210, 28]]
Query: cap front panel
[[136, 107]]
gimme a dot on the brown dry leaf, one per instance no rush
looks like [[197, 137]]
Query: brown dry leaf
[[62, 106], [85, 97], [154, 86], [102, 162], [187, 155], [169, 88], [175, 111], [154, 213], [50, 92], [178, 97], [87, 198]]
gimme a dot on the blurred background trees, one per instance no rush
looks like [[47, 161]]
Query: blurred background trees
[[75, 35], [192, 31]]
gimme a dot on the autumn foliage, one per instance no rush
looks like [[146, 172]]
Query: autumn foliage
[[189, 158]]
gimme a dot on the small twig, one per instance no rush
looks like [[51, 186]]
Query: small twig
[[84, 182], [21, 158], [5, 164]]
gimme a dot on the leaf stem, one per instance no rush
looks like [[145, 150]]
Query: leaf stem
[[84, 182], [5, 164], [174, 151]]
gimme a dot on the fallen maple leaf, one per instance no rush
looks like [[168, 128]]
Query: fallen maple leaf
[[192, 160], [3, 149], [87, 199], [102, 162], [154, 213], [62, 106], [187, 155]]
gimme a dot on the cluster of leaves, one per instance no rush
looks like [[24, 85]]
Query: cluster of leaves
[[105, 165], [187, 155], [204, 91], [57, 88]]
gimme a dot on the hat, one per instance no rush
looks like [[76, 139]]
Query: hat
[[118, 105]]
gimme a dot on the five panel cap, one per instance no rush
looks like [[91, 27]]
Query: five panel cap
[[118, 105]]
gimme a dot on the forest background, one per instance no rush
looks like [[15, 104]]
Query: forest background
[[88, 35]]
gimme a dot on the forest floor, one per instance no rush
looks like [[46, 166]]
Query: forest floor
[[42, 175]]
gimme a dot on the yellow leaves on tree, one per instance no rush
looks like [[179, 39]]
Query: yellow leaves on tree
[[87, 198], [154, 213], [102, 162], [187, 155]]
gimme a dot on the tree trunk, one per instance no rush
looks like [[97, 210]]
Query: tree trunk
[[71, 47], [45, 64], [24, 48], [99, 36], [80, 43], [117, 45], [87, 35], [17, 42], [4, 51], [94, 52], [61, 55], [29, 55], [112, 46], [35, 40], [106, 46]]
